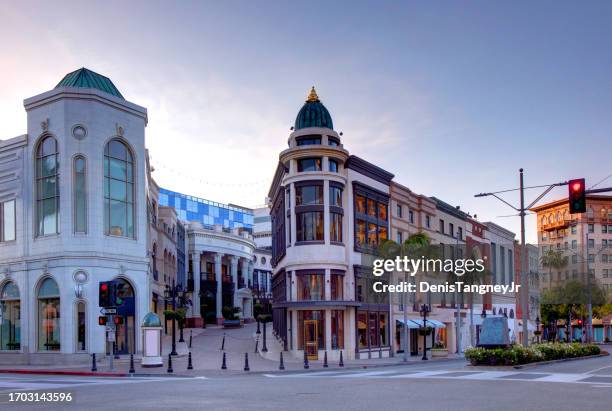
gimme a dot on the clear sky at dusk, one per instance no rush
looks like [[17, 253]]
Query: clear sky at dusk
[[453, 97]]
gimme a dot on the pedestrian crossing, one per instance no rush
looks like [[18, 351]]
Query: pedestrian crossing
[[11, 383], [601, 380]]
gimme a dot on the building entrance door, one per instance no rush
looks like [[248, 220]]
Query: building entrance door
[[311, 342]]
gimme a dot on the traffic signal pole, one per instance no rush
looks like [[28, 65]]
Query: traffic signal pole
[[522, 209]]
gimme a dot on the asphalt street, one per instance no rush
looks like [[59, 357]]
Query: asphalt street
[[585, 384]]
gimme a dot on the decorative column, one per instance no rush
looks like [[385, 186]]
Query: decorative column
[[234, 271], [195, 258], [245, 271], [219, 278]]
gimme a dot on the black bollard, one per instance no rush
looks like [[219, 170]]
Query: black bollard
[[256, 344], [132, 370], [246, 362], [380, 352], [341, 362], [306, 366], [93, 363], [224, 364], [190, 337], [223, 343], [325, 365], [115, 351], [282, 363], [258, 330], [189, 363], [170, 370]]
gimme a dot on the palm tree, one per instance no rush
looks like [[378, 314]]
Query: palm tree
[[553, 259], [415, 246]]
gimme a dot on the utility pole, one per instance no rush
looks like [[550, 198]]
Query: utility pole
[[522, 211], [524, 291]]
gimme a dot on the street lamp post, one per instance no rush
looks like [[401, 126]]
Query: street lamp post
[[170, 293], [424, 310]]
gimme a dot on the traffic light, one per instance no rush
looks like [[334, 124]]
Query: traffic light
[[118, 320], [119, 292], [102, 320], [105, 294], [580, 322], [577, 196]]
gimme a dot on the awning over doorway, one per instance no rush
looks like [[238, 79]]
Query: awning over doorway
[[419, 323]]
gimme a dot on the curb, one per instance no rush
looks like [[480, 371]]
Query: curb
[[536, 364], [64, 372]]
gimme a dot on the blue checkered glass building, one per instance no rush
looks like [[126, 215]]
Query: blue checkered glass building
[[208, 213]]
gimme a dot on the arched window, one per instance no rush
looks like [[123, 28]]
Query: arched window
[[80, 195], [47, 187], [48, 316], [81, 329], [10, 330], [118, 190]]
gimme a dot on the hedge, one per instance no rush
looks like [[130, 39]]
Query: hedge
[[518, 354]]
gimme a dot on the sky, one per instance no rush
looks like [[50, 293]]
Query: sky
[[451, 97]]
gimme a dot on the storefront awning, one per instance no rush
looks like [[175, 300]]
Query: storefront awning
[[419, 323]]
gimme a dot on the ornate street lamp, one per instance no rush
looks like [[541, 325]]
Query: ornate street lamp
[[170, 294], [424, 310]]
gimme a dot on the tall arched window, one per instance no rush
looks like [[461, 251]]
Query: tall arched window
[[47, 187], [48, 316], [118, 190], [80, 195], [10, 330]]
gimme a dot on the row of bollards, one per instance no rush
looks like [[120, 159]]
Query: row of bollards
[[132, 369]]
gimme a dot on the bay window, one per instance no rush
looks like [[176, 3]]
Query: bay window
[[309, 164]]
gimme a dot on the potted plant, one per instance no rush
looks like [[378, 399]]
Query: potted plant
[[230, 317], [439, 350]]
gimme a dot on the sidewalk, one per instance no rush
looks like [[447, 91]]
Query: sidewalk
[[207, 356]]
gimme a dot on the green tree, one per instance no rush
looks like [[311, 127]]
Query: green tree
[[553, 259]]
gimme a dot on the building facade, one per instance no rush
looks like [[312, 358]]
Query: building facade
[[585, 239], [72, 193], [328, 210]]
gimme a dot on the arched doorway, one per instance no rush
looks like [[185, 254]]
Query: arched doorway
[[126, 332]]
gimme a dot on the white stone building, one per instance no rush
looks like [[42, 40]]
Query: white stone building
[[75, 187]]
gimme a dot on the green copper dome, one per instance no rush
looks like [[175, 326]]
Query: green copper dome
[[85, 78], [313, 114]]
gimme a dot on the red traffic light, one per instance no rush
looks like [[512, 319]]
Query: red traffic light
[[102, 320], [118, 320], [579, 322], [577, 196], [577, 186], [103, 287]]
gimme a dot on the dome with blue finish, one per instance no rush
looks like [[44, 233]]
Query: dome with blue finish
[[313, 113], [151, 320]]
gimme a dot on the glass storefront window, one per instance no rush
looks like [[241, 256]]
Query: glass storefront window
[[309, 226], [361, 232], [337, 287], [335, 227], [362, 329], [309, 164], [308, 195], [360, 204], [337, 329], [10, 328], [48, 316], [81, 324], [319, 317], [335, 196], [311, 287]]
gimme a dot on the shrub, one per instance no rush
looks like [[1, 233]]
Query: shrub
[[517, 354], [229, 313]]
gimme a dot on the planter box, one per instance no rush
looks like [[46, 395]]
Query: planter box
[[232, 324], [439, 352]]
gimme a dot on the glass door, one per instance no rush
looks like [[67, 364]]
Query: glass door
[[311, 343]]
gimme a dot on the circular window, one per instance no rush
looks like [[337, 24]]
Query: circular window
[[79, 132], [80, 277]]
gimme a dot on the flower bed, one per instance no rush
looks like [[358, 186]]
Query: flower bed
[[517, 354]]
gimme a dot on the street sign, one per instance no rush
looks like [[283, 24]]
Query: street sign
[[108, 311], [110, 336]]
